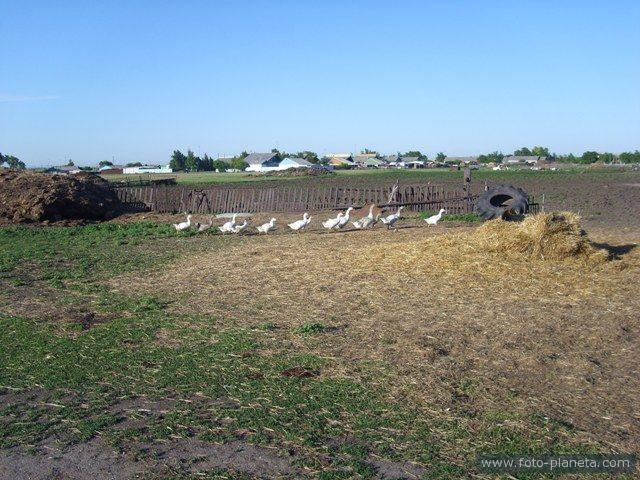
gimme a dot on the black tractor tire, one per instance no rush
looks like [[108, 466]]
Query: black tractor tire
[[503, 201]]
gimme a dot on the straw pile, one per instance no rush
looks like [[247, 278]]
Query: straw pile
[[550, 236]]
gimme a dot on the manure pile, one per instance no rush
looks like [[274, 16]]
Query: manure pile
[[27, 197]]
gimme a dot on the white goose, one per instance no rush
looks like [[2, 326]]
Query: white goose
[[366, 221], [240, 228], [390, 221], [183, 225], [434, 219], [299, 225], [203, 227], [345, 219], [230, 225], [267, 227], [332, 222]]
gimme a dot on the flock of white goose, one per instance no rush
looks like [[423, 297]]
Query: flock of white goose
[[335, 223]]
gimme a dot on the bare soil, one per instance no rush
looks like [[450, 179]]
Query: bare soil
[[96, 458], [600, 199]]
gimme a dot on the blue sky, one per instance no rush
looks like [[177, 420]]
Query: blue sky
[[135, 80]]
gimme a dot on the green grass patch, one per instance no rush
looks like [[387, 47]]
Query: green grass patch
[[310, 328], [62, 254], [458, 217]]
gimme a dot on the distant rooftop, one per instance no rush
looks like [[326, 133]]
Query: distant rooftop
[[300, 161], [259, 158]]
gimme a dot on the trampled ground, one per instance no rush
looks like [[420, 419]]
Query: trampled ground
[[133, 350]]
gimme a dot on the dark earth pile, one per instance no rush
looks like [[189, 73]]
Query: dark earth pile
[[38, 197]]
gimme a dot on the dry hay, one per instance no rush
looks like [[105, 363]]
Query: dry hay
[[530, 334], [550, 236]]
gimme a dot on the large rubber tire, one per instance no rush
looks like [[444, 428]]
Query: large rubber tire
[[502, 201]]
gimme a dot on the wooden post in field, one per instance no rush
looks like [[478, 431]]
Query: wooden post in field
[[394, 191], [466, 187]]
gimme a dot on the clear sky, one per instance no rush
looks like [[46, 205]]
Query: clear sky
[[135, 80]]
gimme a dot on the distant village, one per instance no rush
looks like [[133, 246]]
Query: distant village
[[267, 162], [537, 158]]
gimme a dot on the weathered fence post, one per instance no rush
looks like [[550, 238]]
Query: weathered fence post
[[466, 187]]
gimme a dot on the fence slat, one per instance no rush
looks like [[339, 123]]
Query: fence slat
[[225, 199]]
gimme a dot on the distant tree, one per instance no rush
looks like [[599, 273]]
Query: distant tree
[[133, 164], [309, 156], [15, 162], [177, 160], [70, 163], [105, 163], [589, 157], [413, 153], [570, 158], [238, 163], [607, 157], [440, 157], [191, 162], [493, 157], [206, 164], [524, 151], [219, 165], [12, 162], [630, 157], [366, 151], [281, 154], [540, 151]]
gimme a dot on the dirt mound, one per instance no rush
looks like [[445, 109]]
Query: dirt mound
[[552, 236], [37, 197], [298, 172]]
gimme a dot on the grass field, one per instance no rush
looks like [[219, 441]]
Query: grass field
[[347, 355], [373, 175]]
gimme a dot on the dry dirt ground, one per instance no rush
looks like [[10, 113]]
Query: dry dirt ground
[[459, 333], [561, 337], [601, 199]]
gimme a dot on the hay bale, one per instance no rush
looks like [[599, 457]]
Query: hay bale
[[27, 196], [547, 236]]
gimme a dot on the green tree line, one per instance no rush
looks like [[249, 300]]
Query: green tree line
[[11, 161], [193, 163]]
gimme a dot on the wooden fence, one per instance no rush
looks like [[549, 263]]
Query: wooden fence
[[282, 198]]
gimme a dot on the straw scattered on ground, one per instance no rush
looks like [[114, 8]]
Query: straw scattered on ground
[[469, 320]]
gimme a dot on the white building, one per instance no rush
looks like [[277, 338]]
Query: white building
[[147, 169], [522, 159], [262, 162], [294, 162]]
